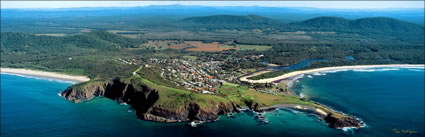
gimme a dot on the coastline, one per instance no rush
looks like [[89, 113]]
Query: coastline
[[339, 121], [288, 79], [44, 74], [302, 72]]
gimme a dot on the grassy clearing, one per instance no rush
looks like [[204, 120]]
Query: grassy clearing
[[268, 100], [190, 57], [234, 92]]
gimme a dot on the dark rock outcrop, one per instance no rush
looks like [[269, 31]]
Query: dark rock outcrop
[[340, 122], [189, 112], [252, 105], [87, 92]]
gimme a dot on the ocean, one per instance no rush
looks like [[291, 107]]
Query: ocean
[[387, 100]]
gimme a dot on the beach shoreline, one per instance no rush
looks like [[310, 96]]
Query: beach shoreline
[[324, 69], [289, 78], [45, 74]]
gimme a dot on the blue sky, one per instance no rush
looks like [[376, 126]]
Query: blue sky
[[314, 4]]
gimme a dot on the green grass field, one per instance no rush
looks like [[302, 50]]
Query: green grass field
[[237, 93]]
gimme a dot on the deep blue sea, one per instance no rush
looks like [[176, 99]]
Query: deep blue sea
[[385, 99]]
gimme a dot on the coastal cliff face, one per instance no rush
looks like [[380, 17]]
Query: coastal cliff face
[[143, 99], [188, 112]]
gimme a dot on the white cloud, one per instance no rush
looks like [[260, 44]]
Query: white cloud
[[314, 4]]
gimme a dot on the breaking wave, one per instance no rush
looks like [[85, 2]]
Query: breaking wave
[[367, 70], [375, 70]]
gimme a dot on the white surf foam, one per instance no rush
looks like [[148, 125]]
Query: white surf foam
[[302, 95], [124, 104], [361, 70], [334, 71], [376, 69], [415, 69], [40, 78], [318, 74]]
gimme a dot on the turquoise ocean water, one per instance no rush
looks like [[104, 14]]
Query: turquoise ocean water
[[384, 99]]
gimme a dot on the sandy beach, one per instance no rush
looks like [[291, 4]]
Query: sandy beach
[[45, 74], [301, 72]]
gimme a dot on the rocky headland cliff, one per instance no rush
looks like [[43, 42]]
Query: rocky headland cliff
[[145, 100]]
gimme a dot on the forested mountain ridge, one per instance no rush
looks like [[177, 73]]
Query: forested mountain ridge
[[325, 23], [367, 25], [232, 20]]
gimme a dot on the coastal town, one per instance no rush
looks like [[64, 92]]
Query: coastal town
[[199, 76]]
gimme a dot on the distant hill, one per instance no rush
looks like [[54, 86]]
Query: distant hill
[[368, 25], [326, 23], [386, 24], [232, 19], [15, 41]]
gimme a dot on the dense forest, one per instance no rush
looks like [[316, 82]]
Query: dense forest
[[88, 53]]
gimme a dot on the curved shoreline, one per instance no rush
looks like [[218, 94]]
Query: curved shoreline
[[45, 74], [301, 72], [315, 110]]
